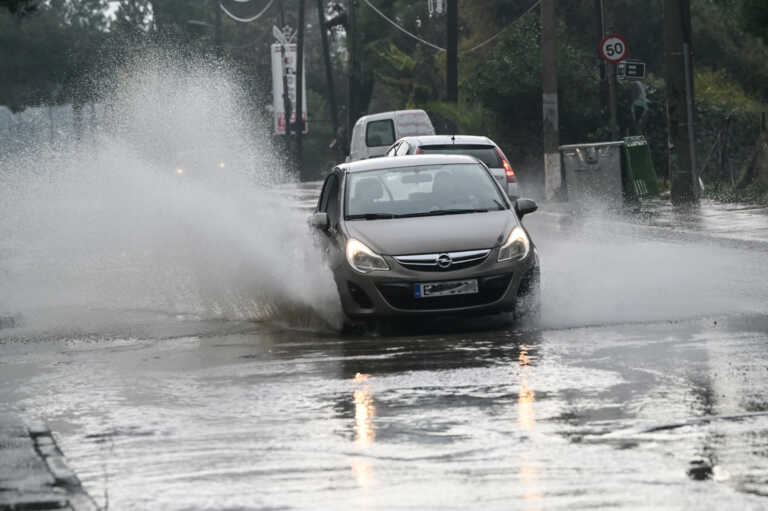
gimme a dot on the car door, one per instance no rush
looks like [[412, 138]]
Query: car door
[[331, 239]]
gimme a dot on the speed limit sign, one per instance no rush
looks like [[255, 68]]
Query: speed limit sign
[[613, 48]]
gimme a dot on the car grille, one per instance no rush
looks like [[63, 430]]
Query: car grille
[[437, 262], [400, 294]]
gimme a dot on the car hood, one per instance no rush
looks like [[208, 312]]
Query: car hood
[[432, 234]]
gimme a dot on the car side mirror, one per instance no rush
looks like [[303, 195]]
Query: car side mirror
[[319, 221], [525, 206]]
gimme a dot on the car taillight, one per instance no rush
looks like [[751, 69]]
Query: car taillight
[[511, 178]]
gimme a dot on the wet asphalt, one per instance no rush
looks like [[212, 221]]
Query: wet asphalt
[[652, 398]]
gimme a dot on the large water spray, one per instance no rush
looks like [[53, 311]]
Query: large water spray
[[169, 204]]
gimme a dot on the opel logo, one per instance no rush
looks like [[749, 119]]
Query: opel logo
[[444, 261]]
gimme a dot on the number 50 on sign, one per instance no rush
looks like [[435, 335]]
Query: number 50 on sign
[[613, 48]]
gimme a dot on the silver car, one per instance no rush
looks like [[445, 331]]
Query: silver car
[[425, 235], [482, 148]]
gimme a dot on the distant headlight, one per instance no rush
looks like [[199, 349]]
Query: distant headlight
[[516, 247], [363, 259]]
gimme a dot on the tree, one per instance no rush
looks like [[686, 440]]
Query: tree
[[754, 15], [19, 7]]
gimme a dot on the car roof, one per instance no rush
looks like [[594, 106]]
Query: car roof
[[388, 115], [391, 162], [447, 140]]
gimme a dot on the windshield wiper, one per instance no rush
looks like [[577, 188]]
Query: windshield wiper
[[370, 216], [444, 212]]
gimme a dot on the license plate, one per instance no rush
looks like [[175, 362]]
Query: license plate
[[454, 287]]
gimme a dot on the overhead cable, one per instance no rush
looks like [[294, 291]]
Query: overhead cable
[[400, 28], [246, 20], [497, 34], [438, 48]]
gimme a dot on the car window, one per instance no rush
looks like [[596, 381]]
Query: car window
[[332, 203], [485, 153], [379, 133], [422, 190], [402, 149], [322, 203]]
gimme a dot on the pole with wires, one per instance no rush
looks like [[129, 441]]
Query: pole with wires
[[299, 125], [353, 71], [452, 61], [550, 116], [329, 76]]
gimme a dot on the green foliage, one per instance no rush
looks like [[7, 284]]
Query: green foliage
[[754, 16], [714, 87], [19, 7], [467, 118]]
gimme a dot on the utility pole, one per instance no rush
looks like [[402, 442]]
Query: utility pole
[[607, 76], [551, 121], [680, 102], [299, 91], [329, 75], [217, 28], [354, 69], [451, 54], [600, 30]]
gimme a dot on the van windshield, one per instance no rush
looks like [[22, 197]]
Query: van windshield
[[424, 190]]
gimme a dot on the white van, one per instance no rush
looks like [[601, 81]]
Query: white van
[[374, 133]]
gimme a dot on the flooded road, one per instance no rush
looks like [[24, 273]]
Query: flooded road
[[643, 387], [218, 415]]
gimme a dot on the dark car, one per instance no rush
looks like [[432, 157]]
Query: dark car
[[425, 235], [482, 148]]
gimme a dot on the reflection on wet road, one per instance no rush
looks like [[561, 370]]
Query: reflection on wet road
[[660, 415]]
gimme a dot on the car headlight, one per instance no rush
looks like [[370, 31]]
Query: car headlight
[[363, 259], [516, 247]]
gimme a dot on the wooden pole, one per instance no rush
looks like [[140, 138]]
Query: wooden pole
[[684, 188]]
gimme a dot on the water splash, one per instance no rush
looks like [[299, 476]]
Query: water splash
[[168, 204]]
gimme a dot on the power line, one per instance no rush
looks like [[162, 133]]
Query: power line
[[497, 34], [438, 48], [246, 20], [400, 28]]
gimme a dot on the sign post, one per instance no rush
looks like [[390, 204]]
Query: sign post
[[613, 49], [631, 70], [284, 84]]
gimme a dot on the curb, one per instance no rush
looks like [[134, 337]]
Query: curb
[[66, 491]]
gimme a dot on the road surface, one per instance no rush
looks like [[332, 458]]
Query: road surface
[[644, 387]]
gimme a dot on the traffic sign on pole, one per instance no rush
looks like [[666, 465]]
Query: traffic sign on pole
[[613, 48], [630, 70]]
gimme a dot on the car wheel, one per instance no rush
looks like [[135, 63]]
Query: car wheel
[[528, 305]]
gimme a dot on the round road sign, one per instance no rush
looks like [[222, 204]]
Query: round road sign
[[613, 48]]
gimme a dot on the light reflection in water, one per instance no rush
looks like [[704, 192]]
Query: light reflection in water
[[365, 433], [529, 473]]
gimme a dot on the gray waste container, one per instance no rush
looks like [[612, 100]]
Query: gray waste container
[[593, 173]]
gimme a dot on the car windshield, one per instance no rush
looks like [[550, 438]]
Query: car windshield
[[485, 153], [423, 190]]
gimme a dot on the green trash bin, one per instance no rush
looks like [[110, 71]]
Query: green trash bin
[[639, 175]]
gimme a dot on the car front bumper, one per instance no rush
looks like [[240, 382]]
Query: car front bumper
[[391, 293]]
